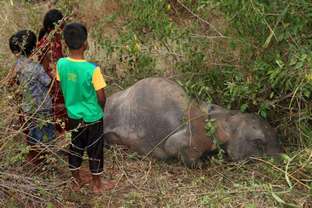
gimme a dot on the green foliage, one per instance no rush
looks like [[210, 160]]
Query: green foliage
[[205, 200], [262, 64], [210, 127], [273, 75], [50, 205], [275, 78], [18, 155], [285, 66], [151, 16], [67, 6]]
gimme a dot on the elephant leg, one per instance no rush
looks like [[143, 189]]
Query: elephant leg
[[177, 146], [191, 142], [175, 143]]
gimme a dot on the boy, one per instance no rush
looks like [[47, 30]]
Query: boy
[[82, 85], [34, 83]]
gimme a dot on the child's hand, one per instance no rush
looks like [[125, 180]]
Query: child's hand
[[53, 71]]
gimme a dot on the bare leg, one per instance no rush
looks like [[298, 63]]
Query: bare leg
[[35, 156], [32, 157], [77, 183]]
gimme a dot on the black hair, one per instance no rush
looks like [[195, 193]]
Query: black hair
[[51, 18], [23, 42], [75, 34]]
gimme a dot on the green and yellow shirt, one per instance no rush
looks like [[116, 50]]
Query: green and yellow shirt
[[80, 80]]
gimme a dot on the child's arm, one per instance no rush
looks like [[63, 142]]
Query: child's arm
[[42, 76], [99, 85], [46, 62], [101, 97]]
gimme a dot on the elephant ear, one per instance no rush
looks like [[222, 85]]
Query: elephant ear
[[198, 142], [257, 139]]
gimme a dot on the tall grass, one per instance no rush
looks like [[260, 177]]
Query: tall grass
[[219, 51]]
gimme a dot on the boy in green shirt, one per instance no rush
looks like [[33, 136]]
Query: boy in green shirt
[[82, 85]]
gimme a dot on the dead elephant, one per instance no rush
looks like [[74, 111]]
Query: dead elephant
[[155, 117]]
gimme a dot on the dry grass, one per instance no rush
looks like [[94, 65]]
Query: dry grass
[[12, 18], [140, 183], [153, 183]]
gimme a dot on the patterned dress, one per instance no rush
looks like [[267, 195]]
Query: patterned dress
[[53, 49]]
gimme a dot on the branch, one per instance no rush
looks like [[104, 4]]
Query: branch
[[199, 18]]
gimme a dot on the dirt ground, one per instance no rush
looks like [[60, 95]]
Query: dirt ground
[[259, 182]]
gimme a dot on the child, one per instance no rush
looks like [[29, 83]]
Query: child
[[50, 48], [34, 83], [83, 86]]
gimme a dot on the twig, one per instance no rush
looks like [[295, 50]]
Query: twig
[[281, 170], [200, 18]]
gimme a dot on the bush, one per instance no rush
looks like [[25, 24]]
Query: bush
[[253, 55]]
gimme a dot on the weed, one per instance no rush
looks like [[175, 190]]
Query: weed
[[248, 55]]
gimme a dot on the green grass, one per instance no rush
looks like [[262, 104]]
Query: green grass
[[136, 39]]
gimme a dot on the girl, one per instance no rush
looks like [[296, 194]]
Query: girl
[[50, 50], [34, 85]]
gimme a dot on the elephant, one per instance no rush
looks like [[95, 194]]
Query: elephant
[[155, 117]]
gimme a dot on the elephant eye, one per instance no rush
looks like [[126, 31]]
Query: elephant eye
[[260, 144]]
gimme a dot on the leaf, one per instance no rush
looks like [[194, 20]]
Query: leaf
[[250, 206], [285, 157], [293, 61], [50, 205], [281, 201], [268, 40], [280, 63], [243, 107], [306, 93], [288, 181], [263, 113], [277, 198], [303, 57], [299, 65]]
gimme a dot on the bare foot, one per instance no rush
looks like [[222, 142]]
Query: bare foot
[[85, 176], [75, 185], [108, 185], [77, 181], [97, 185], [100, 188], [97, 188]]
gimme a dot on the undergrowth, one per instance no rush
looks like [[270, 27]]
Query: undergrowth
[[251, 55]]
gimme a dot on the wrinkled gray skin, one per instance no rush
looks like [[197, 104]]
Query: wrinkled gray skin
[[155, 117]]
